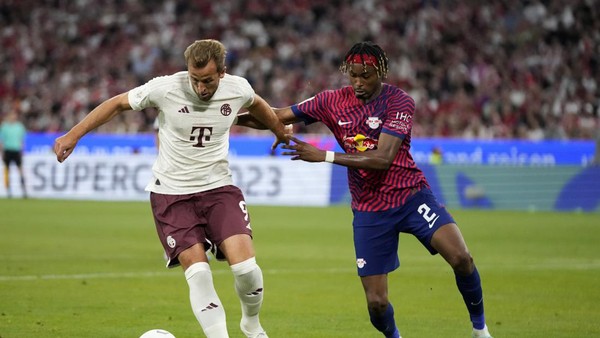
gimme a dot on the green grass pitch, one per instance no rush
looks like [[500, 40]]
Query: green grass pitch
[[95, 269]]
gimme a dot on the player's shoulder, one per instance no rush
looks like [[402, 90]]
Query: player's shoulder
[[167, 83], [395, 90], [235, 81], [343, 92], [236, 84], [166, 80], [397, 93], [156, 89]]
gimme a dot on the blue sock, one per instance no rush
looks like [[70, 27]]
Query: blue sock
[[470, 289], [385, 323]]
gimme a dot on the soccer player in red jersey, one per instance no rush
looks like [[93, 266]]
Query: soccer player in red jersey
[[372, 122]]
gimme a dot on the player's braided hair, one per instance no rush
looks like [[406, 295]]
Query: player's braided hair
[[370, 49]]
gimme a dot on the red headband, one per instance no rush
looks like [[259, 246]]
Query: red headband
[[368, 60]]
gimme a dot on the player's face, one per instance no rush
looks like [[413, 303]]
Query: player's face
[[365, 81], [205, 80]]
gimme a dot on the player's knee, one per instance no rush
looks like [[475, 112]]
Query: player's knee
[[462, 263], [244, 267], [377, 304], [198, 271], [248, 278], [377, 307]]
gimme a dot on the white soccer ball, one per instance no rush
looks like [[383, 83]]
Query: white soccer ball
[[157, 333]]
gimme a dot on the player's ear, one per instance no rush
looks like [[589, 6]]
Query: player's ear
[[221, 74]]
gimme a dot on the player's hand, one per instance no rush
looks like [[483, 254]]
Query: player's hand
[[63, 147], [288, 130], [303, 151]]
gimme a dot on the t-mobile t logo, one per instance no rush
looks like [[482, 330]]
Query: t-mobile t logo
[[203, 134]]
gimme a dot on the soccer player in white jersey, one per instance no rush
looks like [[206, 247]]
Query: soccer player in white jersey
[[193, 199]]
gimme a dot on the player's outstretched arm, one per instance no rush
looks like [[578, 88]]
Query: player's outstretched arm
[[378, 159], [64, 145], [246, 120], [264, 115], [285, 115]]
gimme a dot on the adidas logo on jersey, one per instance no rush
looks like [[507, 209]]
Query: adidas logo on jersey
[[184, 110]]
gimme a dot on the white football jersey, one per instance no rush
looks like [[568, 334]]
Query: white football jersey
[[193, 134]]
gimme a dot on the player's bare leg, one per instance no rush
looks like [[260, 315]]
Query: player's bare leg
[[381, 311], [240, 254], [237, 248], [449, 242]]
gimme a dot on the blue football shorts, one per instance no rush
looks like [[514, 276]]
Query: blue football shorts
[[376, 234]]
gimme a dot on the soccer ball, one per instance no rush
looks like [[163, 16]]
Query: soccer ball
[[157, 333]]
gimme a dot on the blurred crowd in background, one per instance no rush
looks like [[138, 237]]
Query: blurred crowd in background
[[476, 69]]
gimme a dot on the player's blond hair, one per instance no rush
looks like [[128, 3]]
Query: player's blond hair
[[199, 53]]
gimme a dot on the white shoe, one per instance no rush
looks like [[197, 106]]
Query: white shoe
[[257, 332], [483, 333]]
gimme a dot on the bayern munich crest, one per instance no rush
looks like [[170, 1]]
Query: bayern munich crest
[[171, 241], [226, 109]]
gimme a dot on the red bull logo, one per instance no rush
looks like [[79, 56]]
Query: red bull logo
[[360, 142]]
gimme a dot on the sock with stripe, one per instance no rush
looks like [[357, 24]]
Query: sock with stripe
[[472, 293], [385, 323], [249, 287], [205, 302]]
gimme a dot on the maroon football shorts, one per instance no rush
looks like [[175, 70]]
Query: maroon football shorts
[[185, 220]]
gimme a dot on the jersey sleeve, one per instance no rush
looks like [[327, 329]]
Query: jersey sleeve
[[399, 119], [312, 109], [141, 97], [247, 93]]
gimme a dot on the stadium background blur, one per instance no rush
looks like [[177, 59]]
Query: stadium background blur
[[477, 70]]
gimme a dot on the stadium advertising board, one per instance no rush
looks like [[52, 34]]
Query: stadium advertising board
[[272, 180], [454, 151], [475, 174], [264, 180]]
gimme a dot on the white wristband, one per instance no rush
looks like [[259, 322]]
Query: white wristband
[[329, 156]]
